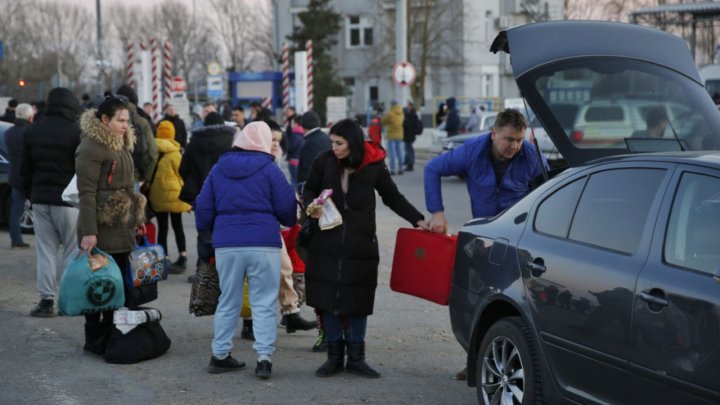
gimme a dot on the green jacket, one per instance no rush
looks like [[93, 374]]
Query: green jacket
[[145, 163], [109, 207]]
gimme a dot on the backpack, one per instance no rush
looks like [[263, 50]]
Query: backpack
[[419, 127], [140, 152]]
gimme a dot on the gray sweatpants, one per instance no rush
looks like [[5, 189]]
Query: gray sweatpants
[[55, 226]]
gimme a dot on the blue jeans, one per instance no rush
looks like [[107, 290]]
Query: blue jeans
[[261, 265], [409, 154], [204, 246], [17, 207], [334, 327], [396, 149], [293, 169]]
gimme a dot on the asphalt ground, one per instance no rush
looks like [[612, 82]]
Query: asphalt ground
[[409, 341]]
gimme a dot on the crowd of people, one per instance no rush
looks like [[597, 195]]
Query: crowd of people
[[130, 169]]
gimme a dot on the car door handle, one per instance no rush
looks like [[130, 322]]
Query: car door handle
[[536, 267], [654, 299]]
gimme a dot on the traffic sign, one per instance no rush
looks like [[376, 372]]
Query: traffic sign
[[214, 68], [403, 73], [215, 88], [177, 84]]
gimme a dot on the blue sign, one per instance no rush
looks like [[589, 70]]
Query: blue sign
[[2, 49], [215, 86]]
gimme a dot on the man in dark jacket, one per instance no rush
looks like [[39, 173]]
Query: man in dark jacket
[[145, 153], [452, 122], [316, 142], [10, 111], [48, 165], [412, 127], [206, 146], [14, 141], [180, 130]]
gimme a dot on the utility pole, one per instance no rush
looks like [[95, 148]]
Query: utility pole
[[101, 60], [401, 92]]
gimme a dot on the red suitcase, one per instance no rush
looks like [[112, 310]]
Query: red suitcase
[[423, 264]]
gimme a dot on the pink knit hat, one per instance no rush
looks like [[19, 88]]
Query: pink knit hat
[[255, 136]]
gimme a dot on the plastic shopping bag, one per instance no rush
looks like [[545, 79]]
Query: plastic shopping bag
[[71, 195], [91, 284]]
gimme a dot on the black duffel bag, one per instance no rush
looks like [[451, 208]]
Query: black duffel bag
[[144, 342]]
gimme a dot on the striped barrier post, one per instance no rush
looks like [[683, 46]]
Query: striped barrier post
[[286, 77], [308, 49], [167, 72], [155, 78], [130, 64]]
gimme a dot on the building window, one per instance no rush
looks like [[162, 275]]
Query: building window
[[374, 93], [349, 81], [359, 32]]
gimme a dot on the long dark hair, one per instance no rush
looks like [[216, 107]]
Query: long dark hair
[[110, 106], [353, 134]]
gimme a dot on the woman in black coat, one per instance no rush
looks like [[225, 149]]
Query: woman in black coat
[[342, 262]]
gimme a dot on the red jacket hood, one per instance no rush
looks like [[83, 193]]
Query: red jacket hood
[[373, 153]]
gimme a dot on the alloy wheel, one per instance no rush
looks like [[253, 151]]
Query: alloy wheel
[[502, 373]]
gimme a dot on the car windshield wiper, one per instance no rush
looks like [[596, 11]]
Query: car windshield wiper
[[670, 124]]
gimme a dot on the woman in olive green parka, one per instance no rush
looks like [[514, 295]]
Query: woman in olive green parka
[[110, 209]]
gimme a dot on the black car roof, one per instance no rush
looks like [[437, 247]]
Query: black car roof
[[573, 39], [703, 158]]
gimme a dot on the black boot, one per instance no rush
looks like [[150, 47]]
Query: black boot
[[247, 330], [356, 361], [97, 335], [334, 362], [179, 266], [295, 322]]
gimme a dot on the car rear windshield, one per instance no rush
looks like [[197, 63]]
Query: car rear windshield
[[618, 98]]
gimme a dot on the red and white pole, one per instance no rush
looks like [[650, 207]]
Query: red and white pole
[[266, 102], [308, 49], [155, 78], [286, 77], [167, 72], [130, 64]]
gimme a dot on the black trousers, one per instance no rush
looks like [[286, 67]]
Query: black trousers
[[177, 226]]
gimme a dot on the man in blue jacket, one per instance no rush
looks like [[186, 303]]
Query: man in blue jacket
[[498, 168]]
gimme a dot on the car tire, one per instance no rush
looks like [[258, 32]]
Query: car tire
[[507, 365]]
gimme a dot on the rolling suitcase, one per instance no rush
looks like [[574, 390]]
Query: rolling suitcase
[[423, 264]]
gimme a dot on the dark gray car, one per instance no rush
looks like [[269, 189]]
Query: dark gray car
[[602, 285]]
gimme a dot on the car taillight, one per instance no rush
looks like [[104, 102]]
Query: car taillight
[[577, 136]]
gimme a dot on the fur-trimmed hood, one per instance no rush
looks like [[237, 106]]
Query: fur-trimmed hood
[[93, 128]]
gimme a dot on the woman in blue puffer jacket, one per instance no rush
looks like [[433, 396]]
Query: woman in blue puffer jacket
[[242, 201]]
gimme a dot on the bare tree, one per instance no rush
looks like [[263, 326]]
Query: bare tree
[[433, 42], [232, 21], [130, 23], [262, 39]]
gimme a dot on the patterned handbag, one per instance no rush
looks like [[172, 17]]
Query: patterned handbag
[[205, 291], [148, 264]]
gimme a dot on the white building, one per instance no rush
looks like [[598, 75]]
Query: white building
[[461, 64]]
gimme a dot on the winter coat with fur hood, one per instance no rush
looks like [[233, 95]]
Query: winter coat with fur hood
[[109, 206], [166, 185]]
